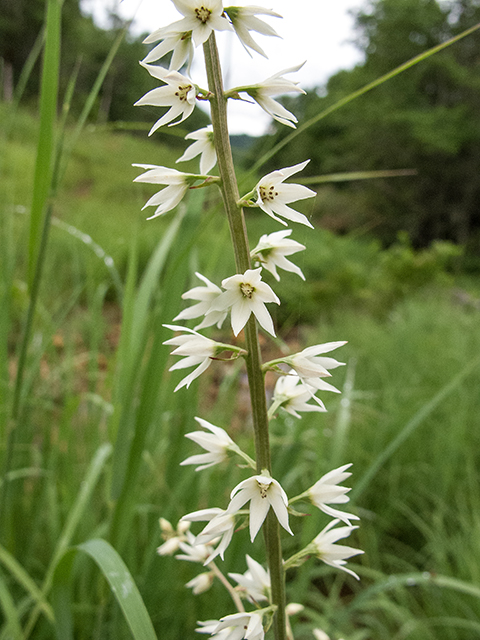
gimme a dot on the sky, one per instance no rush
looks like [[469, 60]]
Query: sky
[[317, 32]]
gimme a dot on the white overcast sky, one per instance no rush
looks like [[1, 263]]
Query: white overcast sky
[[318, 32]]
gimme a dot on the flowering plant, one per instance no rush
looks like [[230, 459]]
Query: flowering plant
[[259, 501]]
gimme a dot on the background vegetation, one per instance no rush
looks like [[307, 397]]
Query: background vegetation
[[98, 430]]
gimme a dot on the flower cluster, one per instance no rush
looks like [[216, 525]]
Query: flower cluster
[[243, 298]]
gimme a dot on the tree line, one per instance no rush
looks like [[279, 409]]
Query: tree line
[[426, 119]]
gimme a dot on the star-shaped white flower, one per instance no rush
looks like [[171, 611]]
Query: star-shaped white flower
[[179, 42], [334, 555], [201, 18], [201, 583], [273, 195], [179, 93], [255, 583], [204, 147], [221, 526], [197, 350], [172, 537], [209, 626], [241, 625], [276, 85], [244, 20], [293, 395], [309, 364], [193, 551], [168, 198], [205, 295], [262, 492], [327, 491], [217, 443], [246, 294], [271, 250]]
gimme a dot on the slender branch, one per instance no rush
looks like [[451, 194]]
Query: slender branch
[[256, 382], [234, 595]]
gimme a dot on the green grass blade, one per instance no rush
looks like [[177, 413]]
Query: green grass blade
[[12, 627], [28, 68], [424, 579], [123, 587], [23, 578], [61, 596], [137, 319], [46, 141], [411, 426], [81, 503], [39, 220], [348, 176], [97, 250], [360, 92]]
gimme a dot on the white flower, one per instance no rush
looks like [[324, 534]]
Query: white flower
[[241, 625], [255, 582], [326, 491], [310, 367], [319, 634], [309, 364], [192, 551], [172, 537], [244, 20], [274, 195], [217, 443], [334, 555], [179, 42], [293, 608], [262, 492], [220, 525], [168, 198], [197, 350], [274, 86], [246, 294], [209, 626], [204, 147], [293, 395], [201, 18], [179, 93], [271, 250], [201, 583], [205, 295]]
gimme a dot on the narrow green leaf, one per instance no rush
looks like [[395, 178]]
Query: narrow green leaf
[[23, 578], [133, 354], [74, 517], [360, 92], [7, 603], [46, 140], [123, 587], [348, 176], [425, 579]]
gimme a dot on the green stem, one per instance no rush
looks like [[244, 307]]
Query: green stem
[[238, 232], [233, 594]]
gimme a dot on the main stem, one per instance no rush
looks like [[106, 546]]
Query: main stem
[[238, 232]]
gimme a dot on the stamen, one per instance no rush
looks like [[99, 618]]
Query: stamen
[[247, 289], [202, 14]]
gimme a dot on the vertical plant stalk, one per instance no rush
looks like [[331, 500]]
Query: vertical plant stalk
[[238, 232]]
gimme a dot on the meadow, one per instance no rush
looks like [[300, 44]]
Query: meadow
[[93, 433]]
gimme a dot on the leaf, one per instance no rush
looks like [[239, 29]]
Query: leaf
[[120, 581]]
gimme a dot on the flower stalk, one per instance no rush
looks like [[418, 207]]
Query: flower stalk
[[236, 220]]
